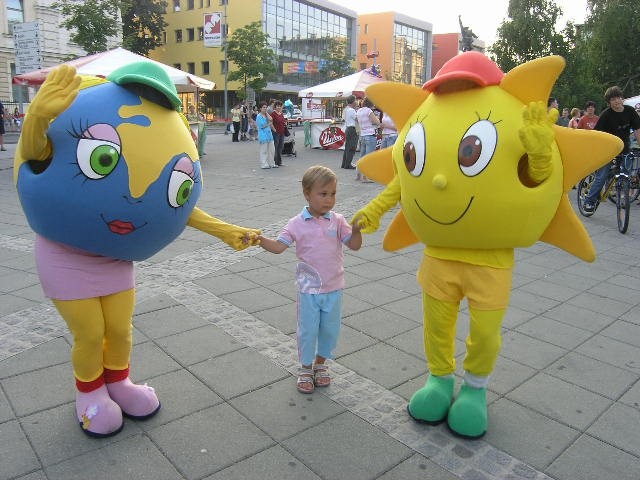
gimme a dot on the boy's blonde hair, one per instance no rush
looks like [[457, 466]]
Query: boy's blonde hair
[[317, 174]]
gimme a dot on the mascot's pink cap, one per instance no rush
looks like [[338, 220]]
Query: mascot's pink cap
[[470, 66]]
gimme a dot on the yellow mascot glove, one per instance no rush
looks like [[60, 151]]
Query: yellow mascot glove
[[368, 217], [236, 237], [537, 136], [56, 94]]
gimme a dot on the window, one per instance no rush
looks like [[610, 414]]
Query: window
[[190, 4], [205, 68], [363, 48], [178, 66], [164, 38], [222, 67], [200, 33], [191, 68], [176, 5], [178, 36], [14, 13], [366, 28], [190, 34]]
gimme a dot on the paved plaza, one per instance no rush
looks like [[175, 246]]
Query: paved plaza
[[214, 334]]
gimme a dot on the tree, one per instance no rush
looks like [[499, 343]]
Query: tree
[[92, 23], [612, 44], [254, 61], [528, 33], [335, 61], [142, 24]]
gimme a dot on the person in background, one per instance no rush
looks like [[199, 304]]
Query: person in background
[[389, 131], [319, 234], [351, 134], [279, 127], [265, 136], [618, 119], [236, 114], [253, 128], [589, 119], [369, 122], [575, 118], [563, 120], [244, 120], [2, 132]]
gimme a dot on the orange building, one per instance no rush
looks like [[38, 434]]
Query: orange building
[[446, 46], [399, 46]]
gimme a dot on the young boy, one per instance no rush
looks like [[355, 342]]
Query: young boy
[[318, 234]]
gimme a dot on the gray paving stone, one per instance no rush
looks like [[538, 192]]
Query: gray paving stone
[[329, 448], [135, 457], [611, 351], [237, 372], [12, 280], [274, 463], [532, 303], [418, 467], [562, 277], [560, 400], [600, 304], [180, 393], [632, 397], [270, 275], [256, 299], [593, 375], [230, 283], [550, 290], [580, 317], [168, 321], [377, 294], [618, 426], [39, 475], [350, 341], [53, 352], [198, 344], [529, 436], [282, 318], [378, 323], [148, 360], [529, 350], [158, 302], [411, 342], [209, 440], [409, 307], [509, 374], [17, 456], [397, 367], [55, 434], [290, 412], [554, 332], [25, 392], [624, 332], [13, 303], [591, 459], [515, 317]]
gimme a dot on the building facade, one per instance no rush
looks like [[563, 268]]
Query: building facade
[[448, 45], [400, 46], [55, 43]]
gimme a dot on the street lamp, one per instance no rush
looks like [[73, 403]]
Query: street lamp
[[225, 29]]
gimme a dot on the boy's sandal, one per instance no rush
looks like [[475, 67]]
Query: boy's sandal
[[305, 382], [321, 374]]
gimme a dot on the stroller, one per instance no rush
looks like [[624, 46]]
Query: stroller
[[289, 145]]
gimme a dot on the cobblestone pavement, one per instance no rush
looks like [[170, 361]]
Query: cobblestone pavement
[[215, 335]]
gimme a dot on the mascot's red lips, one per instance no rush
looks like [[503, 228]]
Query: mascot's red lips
[[120, 227]]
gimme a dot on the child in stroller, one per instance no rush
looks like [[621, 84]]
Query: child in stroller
[[289, 145]]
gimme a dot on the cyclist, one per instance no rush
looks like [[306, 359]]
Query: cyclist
[[618, 119]]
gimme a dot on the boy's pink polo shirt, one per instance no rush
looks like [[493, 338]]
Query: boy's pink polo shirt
[[319, 248]]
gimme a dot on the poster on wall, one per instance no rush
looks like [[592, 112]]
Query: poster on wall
[[212, 29], [312, 108]]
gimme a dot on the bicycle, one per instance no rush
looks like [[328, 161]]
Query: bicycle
[[616, 187]]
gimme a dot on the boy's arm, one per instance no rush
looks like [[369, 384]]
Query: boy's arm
[[368, 218], [355, 242], [271, 245]]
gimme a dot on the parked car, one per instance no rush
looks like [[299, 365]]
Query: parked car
[[295, 119]]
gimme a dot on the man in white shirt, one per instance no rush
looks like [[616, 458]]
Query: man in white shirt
[[351, 141]]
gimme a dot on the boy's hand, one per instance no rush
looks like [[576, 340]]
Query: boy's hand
[[364, 221]]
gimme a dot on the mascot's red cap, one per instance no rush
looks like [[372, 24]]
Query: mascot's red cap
[[467, 67]]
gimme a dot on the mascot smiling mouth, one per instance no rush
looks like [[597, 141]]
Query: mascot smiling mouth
[[445, 223], [122, 227]]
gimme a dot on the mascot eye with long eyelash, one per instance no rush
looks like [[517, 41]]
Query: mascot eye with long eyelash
[[107, 173], [479, 169]]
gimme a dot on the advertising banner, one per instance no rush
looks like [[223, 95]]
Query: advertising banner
[[213, 29]]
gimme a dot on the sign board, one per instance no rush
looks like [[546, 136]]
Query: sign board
[[26, 38], [312, 108], [213, 29]]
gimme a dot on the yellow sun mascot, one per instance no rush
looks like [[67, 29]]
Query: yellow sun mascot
[[479, 168]]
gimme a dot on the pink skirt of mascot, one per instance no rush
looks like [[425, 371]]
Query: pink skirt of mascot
[[479, 169], [107, 173]]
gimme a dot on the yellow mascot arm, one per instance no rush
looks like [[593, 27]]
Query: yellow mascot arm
[[537, 137], [56, 94], [368, 217], [236, 237]]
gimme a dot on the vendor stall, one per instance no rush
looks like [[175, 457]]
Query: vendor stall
[[325, 132]]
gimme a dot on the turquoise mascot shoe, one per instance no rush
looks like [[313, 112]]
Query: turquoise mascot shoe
[[431, 403], [468, 414]]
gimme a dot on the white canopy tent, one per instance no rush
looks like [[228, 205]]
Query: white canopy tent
[[633, 101], [354, 84], [104, 63]]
